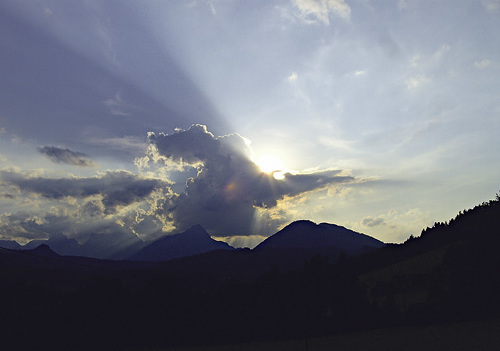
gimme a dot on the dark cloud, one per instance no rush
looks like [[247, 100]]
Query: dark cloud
[[229, 186], [191, 146], [60, 155], [117, 188], [372, 222], [223, 190], [101, 237], [21, 225], [88, 217]]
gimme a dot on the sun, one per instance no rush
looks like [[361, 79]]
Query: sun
[[271, 165]]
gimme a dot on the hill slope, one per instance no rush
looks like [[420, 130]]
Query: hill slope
[[449, 272]]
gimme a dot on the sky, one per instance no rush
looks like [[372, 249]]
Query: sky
[[147, 117]]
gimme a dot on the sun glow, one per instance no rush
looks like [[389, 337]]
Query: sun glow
[[271, 165]]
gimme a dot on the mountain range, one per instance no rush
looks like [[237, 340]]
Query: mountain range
[[278, 291], [305, 237]]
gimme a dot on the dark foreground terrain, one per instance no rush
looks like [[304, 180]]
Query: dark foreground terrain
[[465, 336], [440, 287]]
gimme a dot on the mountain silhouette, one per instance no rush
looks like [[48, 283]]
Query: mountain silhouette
[[308, 235], [59, 243], [193, 241], [43, 251], [448, 274], [304, 237], [286, 251], [116, 245], [10, 244]]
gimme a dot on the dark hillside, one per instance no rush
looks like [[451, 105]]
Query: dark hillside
[[449, 274]]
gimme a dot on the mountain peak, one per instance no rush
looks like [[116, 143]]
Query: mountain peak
[[191, 242], [305, 234], [197, 227], [301, 223], [43, 250], [195, 230]]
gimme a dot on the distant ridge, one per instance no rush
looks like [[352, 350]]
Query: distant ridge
[[58, 243], [302, 235], [43, 250], [10, 244], [193, 241], [115, 246], [305, 234]]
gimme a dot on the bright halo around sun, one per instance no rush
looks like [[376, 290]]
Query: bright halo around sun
[[271, 165]]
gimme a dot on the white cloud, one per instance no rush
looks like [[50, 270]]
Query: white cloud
[[482, 64], [491, 5], [293, 77], [132, 144], [442, 51], [335, 142], [212, 8], [414, 61], [48, 11], [416, 82], [313, 11], [402, 4], [396, 225], [116, 105]]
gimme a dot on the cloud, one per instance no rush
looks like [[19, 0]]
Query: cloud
[[48, 11], [482, 64], [131, 144], [107, 233], [402, 4], [212, 8], [21, 226], [60, 155], [116, 106], [185, 147], [415, 60], [491, 5], [216, 184], [228, 187], [293, 77], [372, 222], [117, 188], [443, 50], [313, 11], [416, 82], [115, 204]]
